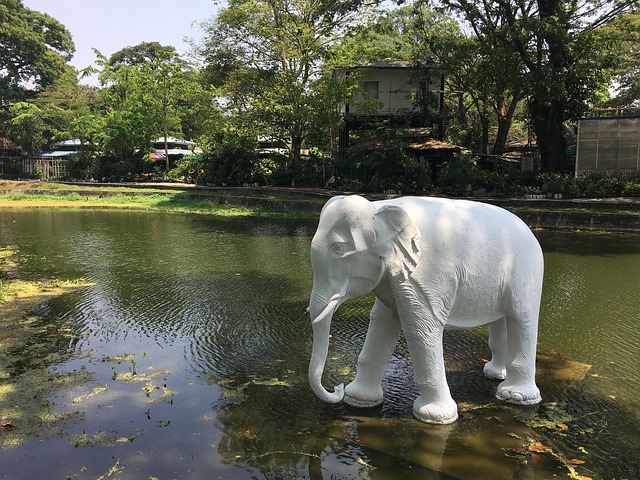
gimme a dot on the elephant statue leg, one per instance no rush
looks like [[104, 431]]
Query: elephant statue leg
[[496, 369], [435, 404], [519, 386], [384, 329]]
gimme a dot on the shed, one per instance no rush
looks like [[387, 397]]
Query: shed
[[609, 142]]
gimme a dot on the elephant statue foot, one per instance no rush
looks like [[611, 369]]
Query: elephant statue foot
[[518, 394], [440, 412], [362, 396], [494, 371]]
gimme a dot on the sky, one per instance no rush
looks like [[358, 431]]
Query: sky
[[112, 25]]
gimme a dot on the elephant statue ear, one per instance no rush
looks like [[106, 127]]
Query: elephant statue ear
[[397, 240]]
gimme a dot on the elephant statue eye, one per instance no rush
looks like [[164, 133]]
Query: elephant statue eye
[[339, 248]]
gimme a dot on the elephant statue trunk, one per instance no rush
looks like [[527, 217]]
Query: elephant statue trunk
[[321, 329]]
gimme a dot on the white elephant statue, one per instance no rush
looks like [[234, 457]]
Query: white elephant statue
[[431, 262]]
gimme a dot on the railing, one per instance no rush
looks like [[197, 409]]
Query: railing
[[45, 168]]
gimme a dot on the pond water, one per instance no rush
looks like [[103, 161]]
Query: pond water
[[194, 342]]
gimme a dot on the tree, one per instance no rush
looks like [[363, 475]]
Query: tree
[[626, 29], [171, 89], [146, 90], [270, 54], [558, 49], [143, 53], [34, 49], [476, 99], [388, 36], [72, 111], [26, 127], [130, 122]]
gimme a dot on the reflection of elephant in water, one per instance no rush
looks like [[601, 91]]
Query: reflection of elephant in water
[[430, 262]]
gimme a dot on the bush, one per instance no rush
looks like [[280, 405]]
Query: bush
[[83, 167], [502, 180], [115, 170], [596, 185], [631, 189], [230, 158], [460, 175], [551, 182], [189, 169], [382, 168]]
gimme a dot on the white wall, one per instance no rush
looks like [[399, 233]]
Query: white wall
[[396, 91]]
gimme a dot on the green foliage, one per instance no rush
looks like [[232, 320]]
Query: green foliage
[[565, 184], [269, 65], [387, 36], [596, 185], [230, 157], [27, 127], [386, 167], [143, 53], [459, 175], [33, 50], [279, 89], [624, 38], [631, 189], [83, 166], [145, 100], [70, 110], [563, 50], [189, 169], [504, 179]]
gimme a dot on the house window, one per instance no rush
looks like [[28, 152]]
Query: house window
[[370, 90]]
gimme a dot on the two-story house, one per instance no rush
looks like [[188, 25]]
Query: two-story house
[[394, 96]]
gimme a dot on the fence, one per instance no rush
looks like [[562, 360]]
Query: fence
[[46, 168], [608, 145]]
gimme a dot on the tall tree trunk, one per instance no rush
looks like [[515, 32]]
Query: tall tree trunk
[[547, 106], [484, 122], [505, 119], [166, 147], [296, 144], [499, 144], [548, 123]]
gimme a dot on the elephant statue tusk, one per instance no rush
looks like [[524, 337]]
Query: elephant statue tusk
[[329, 309]]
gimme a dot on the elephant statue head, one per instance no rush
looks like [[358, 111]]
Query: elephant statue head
[[355, 246]]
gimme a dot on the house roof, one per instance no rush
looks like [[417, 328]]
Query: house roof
[[55, 154], [390, 64], [177, 141], [67, 143], [177, 151]]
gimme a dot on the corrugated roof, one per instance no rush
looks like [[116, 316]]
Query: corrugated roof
[[55, 153], [177, 141], [383, 64]]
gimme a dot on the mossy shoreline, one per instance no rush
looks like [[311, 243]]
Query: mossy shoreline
[[602, 214], [27, 376], [161, 197]]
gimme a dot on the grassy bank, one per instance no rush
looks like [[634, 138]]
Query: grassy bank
[[38, 194], [258, 202]]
